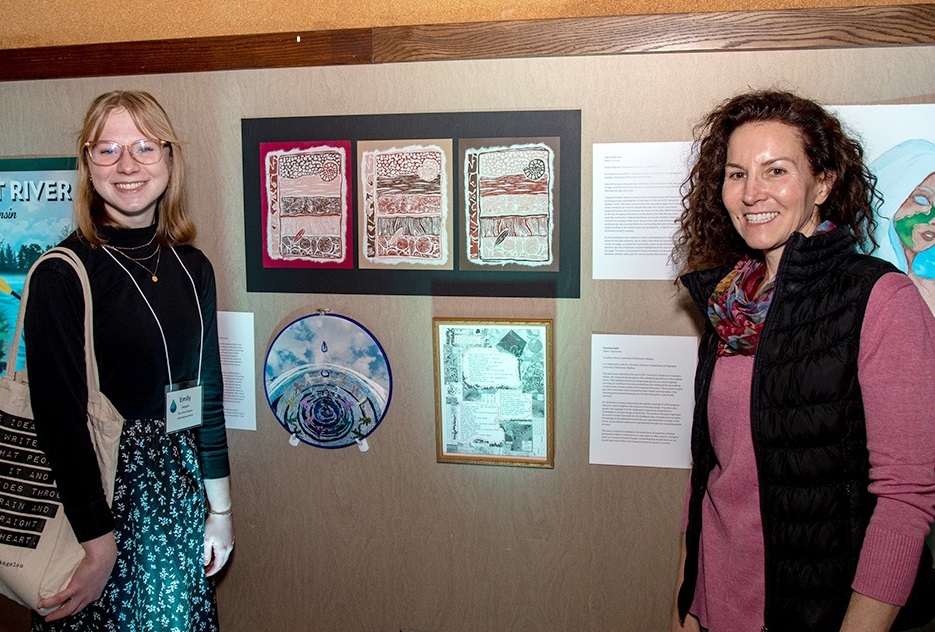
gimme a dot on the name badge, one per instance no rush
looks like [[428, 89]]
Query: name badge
[[183, 406]]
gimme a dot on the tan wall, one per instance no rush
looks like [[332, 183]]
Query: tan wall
[[66, 22], [351, 542]]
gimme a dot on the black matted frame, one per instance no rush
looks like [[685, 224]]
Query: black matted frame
[[561, 283]]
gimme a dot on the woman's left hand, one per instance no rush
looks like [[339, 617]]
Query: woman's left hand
[[219, 542]]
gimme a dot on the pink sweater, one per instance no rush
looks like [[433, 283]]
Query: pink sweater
[[897, 380]]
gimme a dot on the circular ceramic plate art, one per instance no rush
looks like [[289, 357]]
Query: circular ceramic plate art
[[327, 380]]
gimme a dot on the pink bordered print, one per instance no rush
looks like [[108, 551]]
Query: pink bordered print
[[305, 195]]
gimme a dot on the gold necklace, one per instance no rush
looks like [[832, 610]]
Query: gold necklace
[[140, 247], [138, 259], [151, 272]]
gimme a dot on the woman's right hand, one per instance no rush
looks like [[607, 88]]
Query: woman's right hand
[[87, 584], [691, 624]]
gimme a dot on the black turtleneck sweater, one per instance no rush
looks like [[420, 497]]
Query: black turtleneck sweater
[[130, 352]]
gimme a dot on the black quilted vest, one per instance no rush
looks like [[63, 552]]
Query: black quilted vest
[[808, 427]]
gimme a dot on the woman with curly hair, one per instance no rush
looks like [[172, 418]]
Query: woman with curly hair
[[813, 448]]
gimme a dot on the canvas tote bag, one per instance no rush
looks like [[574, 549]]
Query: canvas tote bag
[[38, 549]]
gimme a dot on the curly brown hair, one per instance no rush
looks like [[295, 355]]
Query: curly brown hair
[[706, 238]]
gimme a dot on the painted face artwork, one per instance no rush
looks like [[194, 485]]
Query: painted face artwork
[[130, 190], [905, 221], [769, 189], [914, 220]]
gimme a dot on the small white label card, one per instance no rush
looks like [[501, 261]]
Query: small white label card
[[183, 406]]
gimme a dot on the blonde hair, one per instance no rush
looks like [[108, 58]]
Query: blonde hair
[[173, 225]]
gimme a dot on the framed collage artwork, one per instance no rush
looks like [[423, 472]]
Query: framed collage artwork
[[494, 391]]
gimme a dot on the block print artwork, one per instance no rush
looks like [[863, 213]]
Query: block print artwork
[[405, 197], [307, 205], [509, 204]]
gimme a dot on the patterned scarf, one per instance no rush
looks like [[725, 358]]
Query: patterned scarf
[[738, 306]]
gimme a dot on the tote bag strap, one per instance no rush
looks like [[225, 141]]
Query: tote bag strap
[[90, 359]]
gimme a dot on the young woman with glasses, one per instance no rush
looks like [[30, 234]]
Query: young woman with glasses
[[150, 553]]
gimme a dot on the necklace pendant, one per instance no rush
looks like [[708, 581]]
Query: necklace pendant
[[155, 278]]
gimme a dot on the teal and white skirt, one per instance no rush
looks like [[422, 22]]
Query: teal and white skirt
[[158, 583]]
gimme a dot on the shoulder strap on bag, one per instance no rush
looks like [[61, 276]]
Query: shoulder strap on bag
[[72, 259]]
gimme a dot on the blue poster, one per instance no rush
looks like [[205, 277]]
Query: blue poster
[[35, 214]]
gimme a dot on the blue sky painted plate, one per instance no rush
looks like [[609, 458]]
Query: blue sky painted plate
[[327, 380]]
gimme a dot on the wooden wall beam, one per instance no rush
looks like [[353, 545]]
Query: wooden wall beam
[[896, 25], [235, 52], [748, 30]]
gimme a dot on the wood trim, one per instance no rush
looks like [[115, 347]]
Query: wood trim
[[898, 25], [235, 52], [749, 30]]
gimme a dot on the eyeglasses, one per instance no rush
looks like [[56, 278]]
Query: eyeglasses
[[105, 153]]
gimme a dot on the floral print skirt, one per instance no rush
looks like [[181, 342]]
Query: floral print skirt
[[158, 583]]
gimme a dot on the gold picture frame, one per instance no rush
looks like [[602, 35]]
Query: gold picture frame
[[494, 402]]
